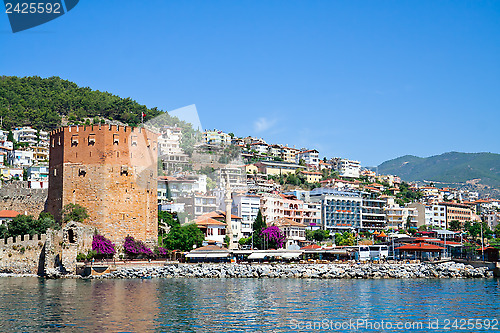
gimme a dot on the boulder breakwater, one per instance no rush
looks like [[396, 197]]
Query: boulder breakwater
[[304, 271]]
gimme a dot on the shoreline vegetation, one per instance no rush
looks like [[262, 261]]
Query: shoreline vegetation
[[303, 271]]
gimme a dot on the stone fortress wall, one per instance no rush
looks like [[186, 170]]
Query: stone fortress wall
[[17, 196]]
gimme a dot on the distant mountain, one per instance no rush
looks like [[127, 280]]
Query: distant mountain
[[448, 168]]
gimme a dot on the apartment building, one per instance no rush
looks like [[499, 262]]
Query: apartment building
[[26, 135], [349, 168], [198, 204], [310, 157], [247, 207], [288, 154], [216, 137], [458, 212]]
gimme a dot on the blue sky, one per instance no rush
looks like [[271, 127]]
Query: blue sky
[[366, 80]]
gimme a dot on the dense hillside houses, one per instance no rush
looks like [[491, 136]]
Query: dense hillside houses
[[293, 188]]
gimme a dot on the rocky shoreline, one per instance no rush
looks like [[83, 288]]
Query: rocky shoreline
[[304, 271]]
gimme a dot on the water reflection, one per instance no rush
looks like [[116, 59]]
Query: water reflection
[[237, 305]]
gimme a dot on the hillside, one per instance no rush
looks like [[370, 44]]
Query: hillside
[[41, 103], [448, 168]]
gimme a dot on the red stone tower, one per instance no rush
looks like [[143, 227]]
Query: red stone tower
[[110, 170]]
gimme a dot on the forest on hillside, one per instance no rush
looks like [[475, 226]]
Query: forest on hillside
[[42, 102]]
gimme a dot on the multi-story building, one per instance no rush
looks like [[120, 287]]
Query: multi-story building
[[312, 176], [216, 137], [196, 204], [40, 153], [435, 216], [274, 151], [275, 206], [247, 207], [5, 148], [173, 187], [170, 140], [21, 158], [232, 177], [372, 211], [401, 217], [339, 210], [458, 212], [288, 154], [310, 157], [259, 147], [26, 135], [276, 168], [492, 219], [38, 176], [312, 215], [208, 219], [112, 172], [349, 168]]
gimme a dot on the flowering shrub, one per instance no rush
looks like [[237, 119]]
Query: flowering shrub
[[161, 252], [103, 246], [135, 247], [274, 237]]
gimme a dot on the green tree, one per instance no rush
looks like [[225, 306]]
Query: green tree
[[344, 239], [28, 225], [4, 232], [257, 226], [183, 238], [74, 212], [320, 235], [497, 231], [454, 225]]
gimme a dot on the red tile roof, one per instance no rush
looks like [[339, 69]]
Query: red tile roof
[[420, 247], [311, 247], [8, 213]]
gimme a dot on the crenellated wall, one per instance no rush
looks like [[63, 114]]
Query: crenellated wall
[[22, 254]]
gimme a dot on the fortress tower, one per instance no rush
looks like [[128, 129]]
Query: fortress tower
[[112, 172]]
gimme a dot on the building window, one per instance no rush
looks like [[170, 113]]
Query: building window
[[116, 139], [133, 141], [74, 140], [91, 139]]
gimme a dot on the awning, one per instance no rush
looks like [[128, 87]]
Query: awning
[[196, 255], [258, 255], [289, 255], [207, 255], [217, 255]]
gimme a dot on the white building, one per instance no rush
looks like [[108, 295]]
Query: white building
[[349, 168], [26, 135], [399, 217], [20, 158], [247, 207], [38, 176], [310, 157], [169, 142], [492, 219], [435, 216], [259, 147], [216, 137]]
